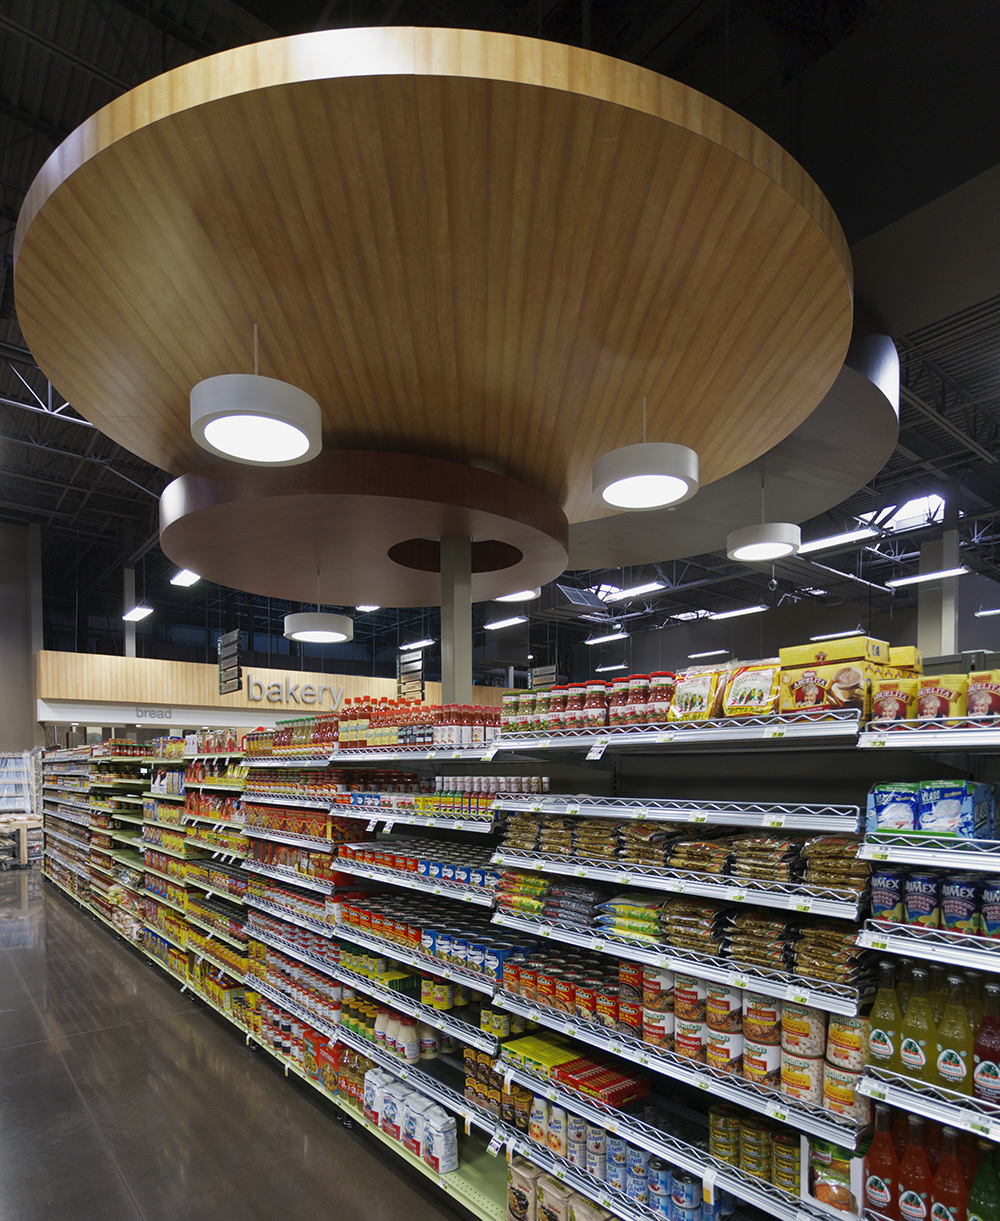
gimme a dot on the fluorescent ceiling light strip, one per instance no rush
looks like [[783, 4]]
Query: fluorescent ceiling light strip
[[622, 665], [185, 577], [920, 577], [490, 627], [417, 644], [981, 614], [635, 591], [835, 540], [743, 610], [710, 653], [851, 631], [605, 639], [137, 613], [365, 609]]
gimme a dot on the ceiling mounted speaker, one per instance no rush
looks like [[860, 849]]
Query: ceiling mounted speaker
[[646, 476], [256, 420], [319, 627], [771, 540]]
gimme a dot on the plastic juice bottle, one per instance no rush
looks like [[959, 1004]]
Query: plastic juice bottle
[[949, 1193], [954, 1041], [885, 1022], [881, 1173], [937, 991], [983, 1203], [915, 1181], [986, 1049], [975, 1005], [917, 1033]]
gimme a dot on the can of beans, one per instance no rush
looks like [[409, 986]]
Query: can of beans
[[630, 981], [586, 997], [802, 1077], [606, 1006], [630, 1018], [847, 1041], [923, 900], [724, 1007], [761, 1062], [761, 1018], [803, 1029]]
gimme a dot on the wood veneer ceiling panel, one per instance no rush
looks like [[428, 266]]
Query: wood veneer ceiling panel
[[465, 245]]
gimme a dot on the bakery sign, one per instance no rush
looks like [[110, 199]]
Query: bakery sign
[[292, 694]]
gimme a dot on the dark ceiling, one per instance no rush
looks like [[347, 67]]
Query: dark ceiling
[[893, 106]]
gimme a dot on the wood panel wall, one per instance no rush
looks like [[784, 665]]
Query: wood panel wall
[[143, 680]]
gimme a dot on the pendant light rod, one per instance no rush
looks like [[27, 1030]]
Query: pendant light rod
[[644, 419], [256, 368]]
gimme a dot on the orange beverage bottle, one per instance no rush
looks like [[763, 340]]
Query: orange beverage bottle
[[881, 1174], [915, 1179], [900, 1133], [949, 1193], [986, 1049]]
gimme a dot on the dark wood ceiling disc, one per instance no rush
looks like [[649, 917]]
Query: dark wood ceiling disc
[[346, 514], [469, 245]]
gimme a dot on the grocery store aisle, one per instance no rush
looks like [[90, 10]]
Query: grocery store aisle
[[122, 1100]]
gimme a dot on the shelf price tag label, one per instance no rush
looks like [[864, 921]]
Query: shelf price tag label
[[551, 1093], [456, 754], [694, 816], [877, 854], [507, 1078], [569, 1028], [604, 1199], [625, 879], [739, 981], [674, 884], [372, 824], [800, 998], [572, 809], [388, 825], [489, 753], [493, 1148], [580, 871], [666, 736], [642, 1058], [616, 1048], [773, 820], [872, 739], [736, 896], [877, 1092], [612, 1127], [980, 1126], [803, 904], [499, 918], [545, 931], [597, 944], [533, 1015], [774, 731], [598, 749], [702, 1083], [774, 1110]]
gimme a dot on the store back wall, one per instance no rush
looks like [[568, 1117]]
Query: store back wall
[[19, 563]]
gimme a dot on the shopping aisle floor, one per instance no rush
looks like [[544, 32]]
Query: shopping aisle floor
[[122, 1100]]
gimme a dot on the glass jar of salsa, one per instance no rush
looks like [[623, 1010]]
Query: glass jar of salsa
[[638, 699], [595, 711]]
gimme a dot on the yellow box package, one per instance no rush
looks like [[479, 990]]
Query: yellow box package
[[906, 657], [840, 685], [821, 652]]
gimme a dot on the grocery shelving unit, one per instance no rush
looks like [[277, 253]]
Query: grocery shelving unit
[[414, 881], [945, 1106], [932, 852]]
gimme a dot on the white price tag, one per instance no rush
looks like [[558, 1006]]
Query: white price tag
[[456, 754], [612, 1127], [876, 943], [388, 825], [872, 739], [508, 1077], [559, 1172], [617, 1048], [493, 1148], [551, 1093], [773, 820], [569, 1028], [580, 871], [489, 753], [403, 1074], [694, 816], [604, 1199], [597, 944], [598, 749], [572, 810], [735, 895], [708, 1185], [774, 1111], [801, 905], [625, 879], [641, 815], [499, 918], [544, 930], [878, 1093], [702, 1083], [877, 854], [673, 884], [642, 1058], [533, 1015], [978, 1125], [437, 889], [666, 736], [430, 822], [535, 807], [774, 731], [468, 896]]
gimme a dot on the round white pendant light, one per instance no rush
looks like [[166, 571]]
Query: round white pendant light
[[523, 595], [319, 627], [256, 420], [646, 476], [769, 541]]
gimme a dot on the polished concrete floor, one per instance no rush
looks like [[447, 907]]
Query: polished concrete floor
[[121, 1099]]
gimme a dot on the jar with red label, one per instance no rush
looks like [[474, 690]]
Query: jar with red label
[[662, 684], [542, 714], [637, 710], [618, 702], [595, 710], [525, 711], [557, 709], [576, 695]]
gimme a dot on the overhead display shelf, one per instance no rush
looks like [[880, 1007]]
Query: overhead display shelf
[[771, 1103], [414, 881], [947, 1107], [832, 998], [372, 815], [830, 728], [679, 1153], [821, 901], [900, 848], [957, 734], [792, 817], [932, 944]]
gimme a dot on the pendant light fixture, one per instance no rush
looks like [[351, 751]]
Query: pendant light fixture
[[256, 420], [646, 476], [522, 595], [318, 627], [771, 540]]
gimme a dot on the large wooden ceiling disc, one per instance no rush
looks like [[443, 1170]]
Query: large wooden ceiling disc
[[366, 522], [468, 245]]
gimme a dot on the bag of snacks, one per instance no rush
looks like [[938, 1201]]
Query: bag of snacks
[[752, 691]]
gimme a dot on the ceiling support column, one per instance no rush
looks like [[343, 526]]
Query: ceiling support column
[[937, 601], [456, 619], [128, 597]]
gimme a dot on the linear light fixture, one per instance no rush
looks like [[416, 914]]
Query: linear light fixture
[[417, 644], [492, 627], [185, 577], [849, 576], [622, 665], [835, 540], [605, 639], [743, 610], [522, 595], [851, 631], [365, 609], [687, 616], [981, 614], [137, 613], [710, 653], [920, 577], [634, 592]]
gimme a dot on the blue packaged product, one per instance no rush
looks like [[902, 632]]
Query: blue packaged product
[[661, 1205], [923, 900], [460, 950], [636, 1187], [888, 894], [684, 1214], [463, 873], [727, 1202], [637, 1159], [434, 868], [475, 955], [685, 1189], [713, 1211], [658, 1176], [617, 1150], [946, 808], [477, 877], [617, 1175], [896, 806], [428, 941], [423, 867], [961, 897], [989, 910]]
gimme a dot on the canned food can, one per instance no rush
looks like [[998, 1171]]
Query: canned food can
[[761, 1018], [658, 1027], [616, 1175], [803, 1029], [690, 1039], [657, 988], [637, 1160], [677, 1213], [761, 1063], [630, 1018], [923, 900], [685, 1189], [576, 1152], [636, 1187], [597, 1140], [989, 912], [724, 1051], [576, 1128], [597, 1163], [888, 894], [961, 898], [802, 1077], [840, 1096], [723, 1116], [724, 1007], [658, 1176], [617, 1150], [690, 996], [847, 1041]]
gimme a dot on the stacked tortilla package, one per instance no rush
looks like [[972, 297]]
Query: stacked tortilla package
[[766, 858], [832, 861], [702, 856], [695, 924], [827, 950], [763, 939]]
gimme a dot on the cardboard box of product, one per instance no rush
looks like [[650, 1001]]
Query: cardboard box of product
[[838, 685], [850, 648], [906, 657]]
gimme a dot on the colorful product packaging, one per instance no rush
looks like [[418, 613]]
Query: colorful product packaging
[[849, 648]]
